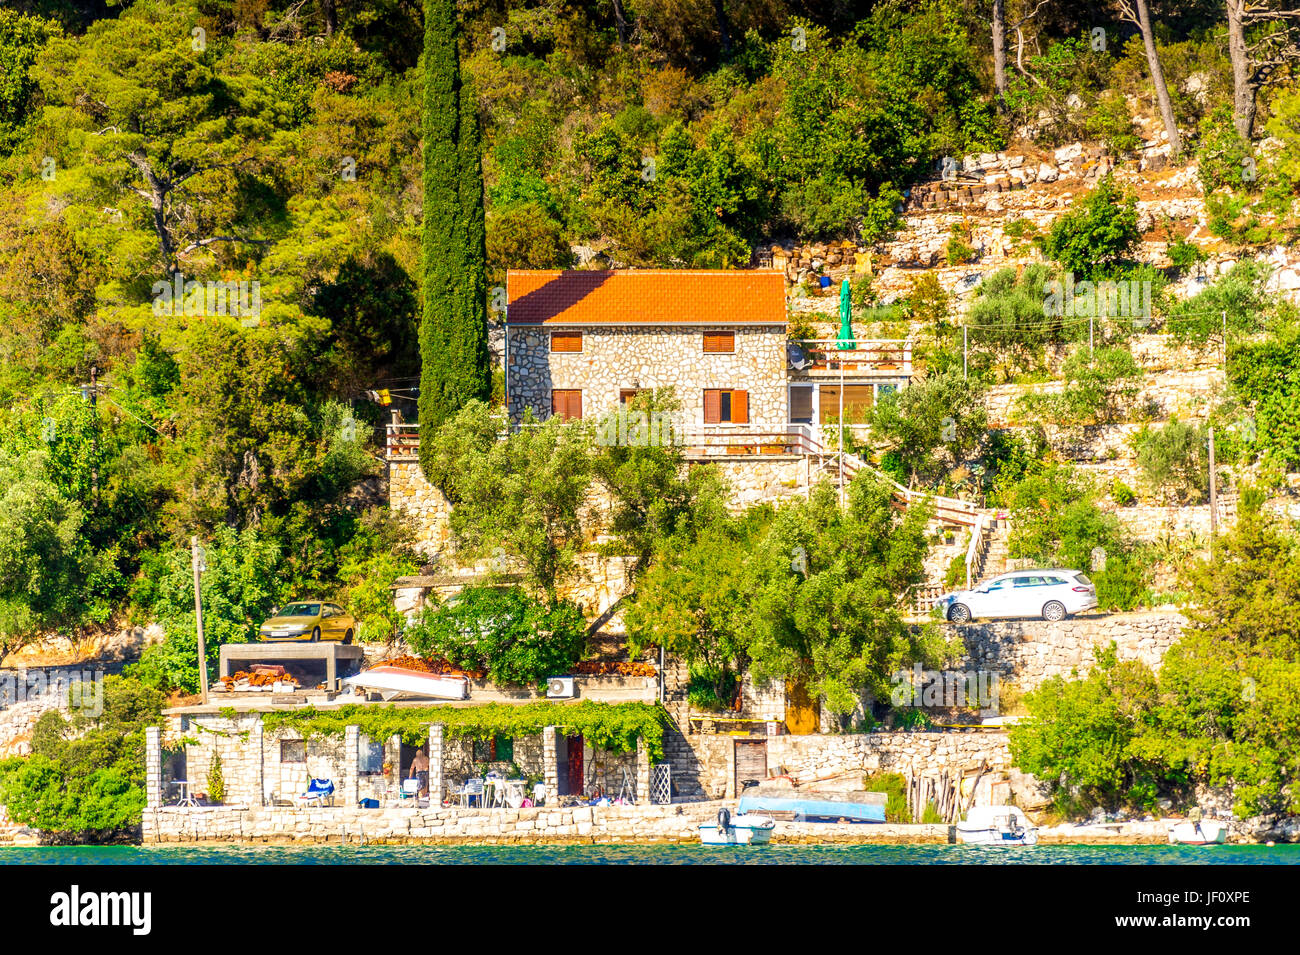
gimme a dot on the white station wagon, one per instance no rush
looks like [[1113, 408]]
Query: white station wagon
[[1050, 594]]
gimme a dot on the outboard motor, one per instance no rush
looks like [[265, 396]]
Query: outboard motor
[[724, 820]]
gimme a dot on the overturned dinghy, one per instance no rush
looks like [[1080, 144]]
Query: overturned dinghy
[[787, 801], [396, 682]]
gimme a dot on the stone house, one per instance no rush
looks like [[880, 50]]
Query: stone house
[[580, 343]]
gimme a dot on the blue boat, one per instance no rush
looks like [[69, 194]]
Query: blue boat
[[787, 802]]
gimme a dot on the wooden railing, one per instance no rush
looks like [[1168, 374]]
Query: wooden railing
[[921, 598], [402, 440]]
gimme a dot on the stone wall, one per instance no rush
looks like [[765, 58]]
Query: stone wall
[[616, 358], [542, 825], [1030, 651], [1182, 394], [710, 760], [757, 479], [28, 693], [426, 511]]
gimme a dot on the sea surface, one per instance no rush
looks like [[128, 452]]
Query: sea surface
[[654, 855]]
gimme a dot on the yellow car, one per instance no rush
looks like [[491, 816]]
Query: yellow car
[[309, 620]]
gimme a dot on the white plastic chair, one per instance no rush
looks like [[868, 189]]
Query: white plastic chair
[[539, 794], [410, 790], [471, 789]]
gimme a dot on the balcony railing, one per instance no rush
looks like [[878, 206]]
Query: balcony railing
[[795, 440], [402, 440], [891, 357]]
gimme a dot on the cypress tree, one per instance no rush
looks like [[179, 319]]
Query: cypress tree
[[453, 327]]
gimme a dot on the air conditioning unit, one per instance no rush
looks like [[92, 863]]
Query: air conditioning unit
[[559, 687]]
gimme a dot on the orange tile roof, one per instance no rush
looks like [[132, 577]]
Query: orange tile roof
[[646, 297]]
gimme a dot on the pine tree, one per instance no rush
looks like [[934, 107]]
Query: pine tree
[[453, 329]]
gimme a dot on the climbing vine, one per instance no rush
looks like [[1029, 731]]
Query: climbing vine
[[612, 726]]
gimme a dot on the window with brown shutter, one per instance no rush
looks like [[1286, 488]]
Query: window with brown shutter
[[725, 406], [566, 341], [740, 407], [712, 406], [719, 341], [567, 403]]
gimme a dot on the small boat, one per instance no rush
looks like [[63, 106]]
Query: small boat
[[1204, 833], [997, 826], [742, 830], [392, 682], [785, 801]]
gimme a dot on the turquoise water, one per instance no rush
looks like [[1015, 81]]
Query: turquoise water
[[661, 855]]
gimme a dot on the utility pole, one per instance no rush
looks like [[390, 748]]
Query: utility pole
[[1214, 495], [199, 561], [965, 350], [841, 425]]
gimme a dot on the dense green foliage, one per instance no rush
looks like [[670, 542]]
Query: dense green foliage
[[1099, 231], [511, 636], [932, 425], [1266, 375], [1224, 709], [1056, 521], [809, 593], [85, 778], [611, 726], [1176, 457], [1099, 386]]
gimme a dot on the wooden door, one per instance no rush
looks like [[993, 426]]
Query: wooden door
[[571, 775], [802, 714], [751, 762]]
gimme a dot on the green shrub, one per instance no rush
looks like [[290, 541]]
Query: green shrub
[[707, 691], [514, 638], [1121, 493], [1099, 231], [216, 781], [1184, 256], [1176, 458], [894, 785]]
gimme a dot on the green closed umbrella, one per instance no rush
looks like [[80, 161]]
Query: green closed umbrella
[[846, 342]]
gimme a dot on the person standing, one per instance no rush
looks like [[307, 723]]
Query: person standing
[[420, 770]]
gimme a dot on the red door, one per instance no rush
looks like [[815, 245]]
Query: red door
[[573, 770]]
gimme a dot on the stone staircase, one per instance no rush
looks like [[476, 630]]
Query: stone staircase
[[991, 557]]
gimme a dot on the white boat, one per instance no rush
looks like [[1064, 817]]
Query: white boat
[[393, 682], [745, 829], [997, 826], [1207, 833]]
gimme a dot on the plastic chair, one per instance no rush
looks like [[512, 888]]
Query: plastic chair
[[473, 788], [410, 790], [539, 794]]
